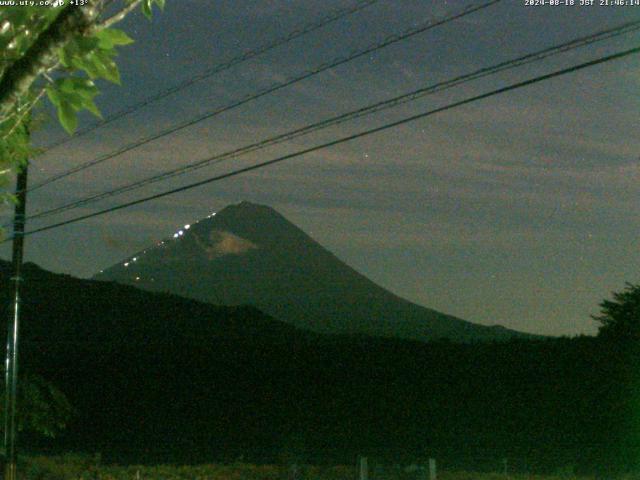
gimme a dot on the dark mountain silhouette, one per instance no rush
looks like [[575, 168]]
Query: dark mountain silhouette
[[250, 254], [90, 312], [154, 377]]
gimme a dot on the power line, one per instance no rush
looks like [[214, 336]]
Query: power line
[[348, 138], [370, 109], [391, 39], [243, 57]]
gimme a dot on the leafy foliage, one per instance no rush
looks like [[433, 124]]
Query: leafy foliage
[[68, 82], [148, 4], [70, 95], [620, 317], [63, 467], [90, 54], [42, 408], [19, 26], [14, 152]]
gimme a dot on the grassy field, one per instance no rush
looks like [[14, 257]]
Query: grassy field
[[86, 468]]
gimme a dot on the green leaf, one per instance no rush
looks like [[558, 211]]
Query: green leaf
[[91, 106], [9, 198], [99, 64], [73, 99], [106, 67], [75, 92], [68, 117], [75, 52], [112, 37], [86, 44], [59, 97], [65, 57], [89, 64], [54, 95], [146, 8], [77, 85]]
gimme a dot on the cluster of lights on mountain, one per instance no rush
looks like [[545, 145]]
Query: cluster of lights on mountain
[[178, 234]]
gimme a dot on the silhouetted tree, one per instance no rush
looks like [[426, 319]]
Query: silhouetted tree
[[42, 408], [620, 318]]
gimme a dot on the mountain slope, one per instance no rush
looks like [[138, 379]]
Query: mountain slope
[[250, 254], [69, 309], [161, 379]]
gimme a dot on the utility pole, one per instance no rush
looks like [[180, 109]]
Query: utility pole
[[11, 362]]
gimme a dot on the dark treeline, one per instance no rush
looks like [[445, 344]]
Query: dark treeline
[[157, 378]]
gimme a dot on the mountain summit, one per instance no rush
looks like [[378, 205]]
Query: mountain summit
[[250, 254]]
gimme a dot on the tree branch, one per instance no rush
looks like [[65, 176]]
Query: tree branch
[[119, 16], [22, 114], [18, 78]]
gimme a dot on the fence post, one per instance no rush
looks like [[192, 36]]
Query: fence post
[[294, 471], [433, 474], [424, 472], [505, 466], [363, 469]]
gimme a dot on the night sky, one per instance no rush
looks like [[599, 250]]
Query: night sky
[[521, 210]]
